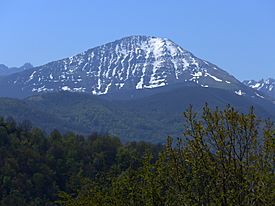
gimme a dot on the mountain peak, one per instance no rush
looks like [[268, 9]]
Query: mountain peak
[[131, 63], [140, 38], [157, 45], [27, 65], [3, 67]]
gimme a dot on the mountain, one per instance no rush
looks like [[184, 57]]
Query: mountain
[[135, 88], [265, 86], [150, 118], [4, 70], [125, 66]]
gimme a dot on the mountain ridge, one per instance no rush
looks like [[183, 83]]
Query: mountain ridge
[[266, 86], [5, 70]]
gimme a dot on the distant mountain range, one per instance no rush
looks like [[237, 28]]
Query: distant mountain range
[[265, 86], [135, 88], [5, 70]]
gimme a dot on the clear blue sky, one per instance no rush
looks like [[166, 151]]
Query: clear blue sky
[[237, 35]]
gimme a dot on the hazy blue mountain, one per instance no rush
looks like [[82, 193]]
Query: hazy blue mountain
[[5, 70]]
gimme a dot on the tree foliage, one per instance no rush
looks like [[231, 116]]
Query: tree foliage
[[224, 158], [35, 167]]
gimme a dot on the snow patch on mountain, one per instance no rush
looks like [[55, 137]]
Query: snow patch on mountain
[[240, 92]]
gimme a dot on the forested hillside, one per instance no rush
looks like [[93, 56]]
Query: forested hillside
[[149, 118], [223, 158], [34, 167]]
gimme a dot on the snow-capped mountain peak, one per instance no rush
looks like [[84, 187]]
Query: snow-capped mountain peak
[[131, 63]]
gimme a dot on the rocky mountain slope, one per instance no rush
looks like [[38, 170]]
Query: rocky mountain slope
[[265, 86], [126, 65]]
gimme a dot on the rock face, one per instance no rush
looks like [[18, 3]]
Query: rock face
[[265, 86]]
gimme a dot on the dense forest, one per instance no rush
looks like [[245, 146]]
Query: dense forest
[[223, 158]]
